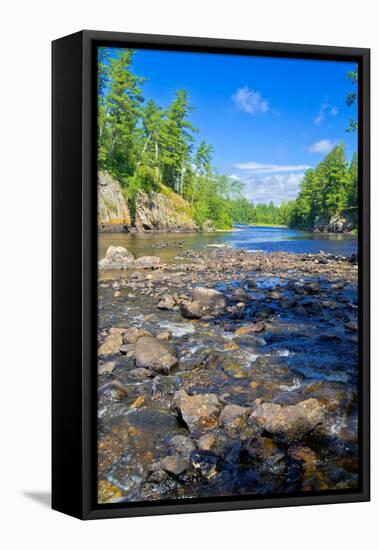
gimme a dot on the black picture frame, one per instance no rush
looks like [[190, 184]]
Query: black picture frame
[[74, 271]]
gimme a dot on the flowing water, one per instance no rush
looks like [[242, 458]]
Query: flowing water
[[268, 239]]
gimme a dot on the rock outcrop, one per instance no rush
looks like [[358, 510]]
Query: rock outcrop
[[343, 222], [113, 209], [162, 211]]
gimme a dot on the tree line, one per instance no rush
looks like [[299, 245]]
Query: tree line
[[149, 147]]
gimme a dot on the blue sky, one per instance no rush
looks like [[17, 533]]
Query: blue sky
[[268, 119]]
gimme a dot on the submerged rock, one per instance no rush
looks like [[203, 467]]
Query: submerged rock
[[107, 492], [153, 353], [182, 444], [200, 411], [117, 257], [107, 368], [204, 463], [289, 423]]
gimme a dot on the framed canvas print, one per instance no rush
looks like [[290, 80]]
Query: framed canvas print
[[210, 274]]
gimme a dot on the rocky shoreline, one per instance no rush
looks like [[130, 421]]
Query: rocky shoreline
[[226, 373]]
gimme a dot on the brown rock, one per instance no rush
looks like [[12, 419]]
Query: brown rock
[[289, 423], [233, 416], [210, 298], [199, 411], [117, 257], [191, 310], [111, 344], [147, 262], [155, 354], [131, 335]]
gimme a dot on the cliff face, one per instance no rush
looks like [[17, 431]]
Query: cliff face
[[162, 211], [339, 223], [165, 210], [113, 206]]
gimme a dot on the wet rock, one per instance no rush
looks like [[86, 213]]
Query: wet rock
[[310, 304], [289, 423], [233, 416], [207, 442], [199, 412], [204, 463], [259, 326], [111, 391], [107, 492], [111, 344], [303, 454], [209, 297], [312, 288], [167, 302], [131, 335], [155, 354], [140, 374], [191, 310], [171, 464], [107, 368], [117, 257], [147, 262], [117, 294], [182, 444]]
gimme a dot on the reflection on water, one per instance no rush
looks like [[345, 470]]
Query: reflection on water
[[268, 239]]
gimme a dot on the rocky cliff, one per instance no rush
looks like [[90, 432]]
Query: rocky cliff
[[162, 211], [342, 222], [159, 211], [113, 209]]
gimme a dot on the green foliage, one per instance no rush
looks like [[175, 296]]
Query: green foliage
[[351, 98], [328, 189]]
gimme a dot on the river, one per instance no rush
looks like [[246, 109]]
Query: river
[[268, 239]]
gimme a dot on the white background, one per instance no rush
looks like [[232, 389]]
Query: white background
[[26, 31]]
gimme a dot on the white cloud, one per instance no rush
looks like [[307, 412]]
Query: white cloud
[[250, 101], [274, 187], [259, 168], [322, 146], [326, 109]]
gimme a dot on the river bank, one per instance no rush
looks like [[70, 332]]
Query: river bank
[[225, 372]]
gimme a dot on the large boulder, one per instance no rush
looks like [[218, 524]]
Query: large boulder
[[147, 262], [209, 298], [117, 257], [289, 423], [199, 412], [155, 354]]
